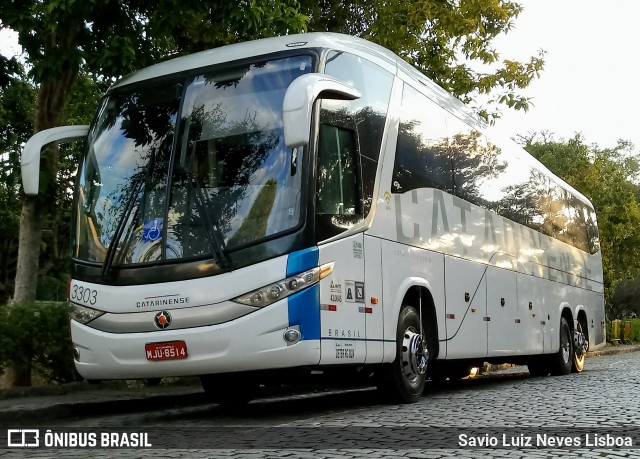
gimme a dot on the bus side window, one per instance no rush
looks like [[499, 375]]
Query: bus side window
[[337, 190], [426, 145], [350, 137], [592, 232], [338, 184], [366, 115]]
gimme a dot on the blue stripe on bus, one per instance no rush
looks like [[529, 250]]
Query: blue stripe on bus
[[302, 260], [304, 311]]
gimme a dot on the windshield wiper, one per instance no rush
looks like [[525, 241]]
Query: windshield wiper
[[126, 213], [212, 232]]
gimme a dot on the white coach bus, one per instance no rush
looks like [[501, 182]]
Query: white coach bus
[[313, 204]]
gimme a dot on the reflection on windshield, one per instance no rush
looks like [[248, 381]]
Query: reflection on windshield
[[129, 150], [233, 181]]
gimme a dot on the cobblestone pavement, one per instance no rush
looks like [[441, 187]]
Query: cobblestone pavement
[[604, 397]]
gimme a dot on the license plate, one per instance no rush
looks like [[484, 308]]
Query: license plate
[[169, 350]]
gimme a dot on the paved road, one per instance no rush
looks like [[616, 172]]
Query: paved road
[[602, 401]]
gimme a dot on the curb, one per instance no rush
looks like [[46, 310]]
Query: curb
[[607, 350], [105, 407], [87, 388], [610, 350]]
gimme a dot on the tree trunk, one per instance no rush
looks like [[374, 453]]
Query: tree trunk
[[52, 98], [19, 373], [28, 252]]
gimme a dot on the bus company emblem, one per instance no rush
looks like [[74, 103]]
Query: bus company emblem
[[162, 320]]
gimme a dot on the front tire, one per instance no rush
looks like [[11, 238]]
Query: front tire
[[562, 361], [405, 378]]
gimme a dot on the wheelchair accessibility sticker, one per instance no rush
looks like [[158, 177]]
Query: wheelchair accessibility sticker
[[152, 230]]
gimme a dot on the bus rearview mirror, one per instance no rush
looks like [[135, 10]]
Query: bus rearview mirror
[[298, 103], [30, 158]]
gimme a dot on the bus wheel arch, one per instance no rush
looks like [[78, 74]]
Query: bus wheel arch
[[416, 346], [420, 298]]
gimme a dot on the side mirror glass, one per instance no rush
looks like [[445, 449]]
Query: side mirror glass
[[298, 104], [30, 158]]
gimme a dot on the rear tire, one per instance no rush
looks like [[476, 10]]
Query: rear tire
[[405, 378], [577, 363], [562, 361]]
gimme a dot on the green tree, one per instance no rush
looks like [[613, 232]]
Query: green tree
[[450, 42], [17, 97], [624, 302], [17, 101], [606, 177], [62, 38]]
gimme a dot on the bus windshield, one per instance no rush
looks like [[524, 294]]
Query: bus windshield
[[192, 168]]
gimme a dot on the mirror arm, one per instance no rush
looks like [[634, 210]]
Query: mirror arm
[[30, 158]]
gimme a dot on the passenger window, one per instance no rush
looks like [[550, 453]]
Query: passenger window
[[425, 147], [592, 232]]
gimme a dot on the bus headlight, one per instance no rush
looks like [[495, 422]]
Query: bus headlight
[[271, 293], [83, 314]]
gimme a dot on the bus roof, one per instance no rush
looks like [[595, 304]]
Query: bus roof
[[256, 48]]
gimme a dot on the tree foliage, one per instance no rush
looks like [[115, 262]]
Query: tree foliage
[[17, 97], [449, 41], [608, 177], [38, 334]]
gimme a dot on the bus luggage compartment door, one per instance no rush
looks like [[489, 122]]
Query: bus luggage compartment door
[[466, 308]]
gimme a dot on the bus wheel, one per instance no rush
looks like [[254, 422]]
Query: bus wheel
[[229, 389], [580, 347], [406, 376], [562, 361]]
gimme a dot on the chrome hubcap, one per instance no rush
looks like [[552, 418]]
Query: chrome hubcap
[[414, 355]]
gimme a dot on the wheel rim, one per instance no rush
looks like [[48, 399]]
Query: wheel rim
[[566, 345], [581, 346], [415, 356]]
